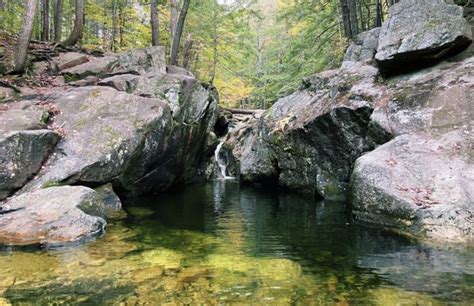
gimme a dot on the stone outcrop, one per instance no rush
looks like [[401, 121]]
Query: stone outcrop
[[70, 59], [124, 125], [309, 140], [399, 147], [105, 131], [149, 62], [113, 133], [421, 182], [420, 32]]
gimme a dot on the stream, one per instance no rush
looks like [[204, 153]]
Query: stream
[[221, 242]]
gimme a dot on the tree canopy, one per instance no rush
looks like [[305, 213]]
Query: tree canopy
[[253, 51]]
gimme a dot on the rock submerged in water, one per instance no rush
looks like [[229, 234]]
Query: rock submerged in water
[[112, 203], [420, 32], [52, 216]]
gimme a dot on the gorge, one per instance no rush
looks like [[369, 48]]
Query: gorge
[[122, 179]]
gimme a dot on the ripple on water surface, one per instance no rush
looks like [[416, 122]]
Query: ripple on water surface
[[222, 243]]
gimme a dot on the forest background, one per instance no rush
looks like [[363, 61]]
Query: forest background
[[253, 51]]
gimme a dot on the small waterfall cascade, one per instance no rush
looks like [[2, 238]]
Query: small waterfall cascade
[[222, 165]]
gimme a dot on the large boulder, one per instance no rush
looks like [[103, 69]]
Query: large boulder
[[419, 185], [184, 151], [419, 32], [112, 136], [434, 100], [50, 216], [247, 155], [149, 61], [103, 130], [421, 182], [308, 141]]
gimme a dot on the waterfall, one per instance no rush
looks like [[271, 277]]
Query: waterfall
[[221, 163]]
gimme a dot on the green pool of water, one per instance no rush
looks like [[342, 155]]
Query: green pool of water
[[221, 243]]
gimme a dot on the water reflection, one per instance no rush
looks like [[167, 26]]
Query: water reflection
[[446, 274], [225, 243]]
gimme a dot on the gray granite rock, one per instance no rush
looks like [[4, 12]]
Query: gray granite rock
[[52, 216], [419, 32]]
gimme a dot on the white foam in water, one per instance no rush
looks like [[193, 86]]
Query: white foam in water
[[221, 163]]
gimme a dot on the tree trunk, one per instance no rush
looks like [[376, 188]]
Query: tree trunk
[[174, 17], [10, 15], [121, 25], [353, 17], [78, 25], [25, 35], [104, 29], [345, 18], [155, 30], [114, 25], [379, 14], [214, 45], [361, 15], [45, 20], [37, 23], [58, 20], [215, 58], [179, 32]]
